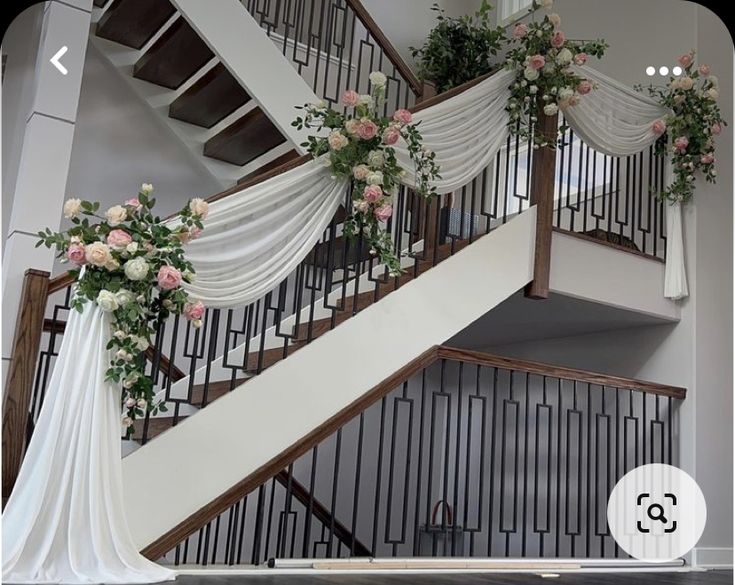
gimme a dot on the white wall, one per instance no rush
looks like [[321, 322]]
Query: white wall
[[120, 143]]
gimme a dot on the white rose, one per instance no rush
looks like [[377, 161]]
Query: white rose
[[124, 296], [142, 403], [140, 298], [375, 178], [199, 206], [130, 402], [98, 254], [551, 109], [714, 80], [127, 422], [686, 83], [530, 74], [555, 19], [121, 354], [146, 188], [116, 215], [361, 205], [197, 323], [131, 248], [120, 334], [566, 93], [136, 269], [533, 89], [72, 208], [377, 79], [107, 301], [545, 3], [366, 100], [549, 67], [713, 94], [376, 158], [564, 57]]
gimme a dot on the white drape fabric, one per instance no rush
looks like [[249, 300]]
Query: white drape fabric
[[616, 120], [65, 521]]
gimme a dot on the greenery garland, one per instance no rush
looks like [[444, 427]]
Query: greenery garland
[[131, 264]]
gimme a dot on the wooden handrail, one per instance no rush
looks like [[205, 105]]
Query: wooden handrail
[[393, 55], [229, 498], [19, 381], [322, 514], [60, 282], [562, 372]]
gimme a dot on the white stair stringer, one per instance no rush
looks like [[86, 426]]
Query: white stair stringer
[[208, 453]]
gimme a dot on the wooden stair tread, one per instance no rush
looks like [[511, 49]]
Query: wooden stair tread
[[245, 139], [212, 98], [133, 22], [274, 164], [174, 57]]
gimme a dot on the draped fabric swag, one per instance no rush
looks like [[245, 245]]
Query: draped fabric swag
[[64, 522]]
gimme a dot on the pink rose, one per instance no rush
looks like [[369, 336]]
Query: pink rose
[[716, 129], [704, 70], [580, 59], [168, 277], [558, 40], [75, 254], [391, 135], [403, 116], [686, 60], [584, 87], [194, 311], [708, 159], [188, 235], [118, 238], [384, 212], [658, 127], [367, 129], [372, 193], [680, 144], [350, 98], [537, 62], [133, 203], [520, 31]]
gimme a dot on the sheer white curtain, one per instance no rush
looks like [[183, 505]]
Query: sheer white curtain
[[616, 120]]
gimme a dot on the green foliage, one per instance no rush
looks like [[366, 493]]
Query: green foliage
[[134, 301], [459, 50]]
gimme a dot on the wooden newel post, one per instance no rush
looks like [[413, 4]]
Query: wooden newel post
[[542, 196], [19, 381]]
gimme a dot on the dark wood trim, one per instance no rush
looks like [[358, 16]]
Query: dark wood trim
[[19, 381], [322, 514], [437, 99], [169, 540], [390, 51], [60, 282], [542, 196], [617, 247], [598, 379], [164, 363]]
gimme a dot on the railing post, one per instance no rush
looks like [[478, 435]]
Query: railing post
[[19, 381], [542, 196]]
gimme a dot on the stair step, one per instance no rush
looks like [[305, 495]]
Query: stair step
[[245, 139], [213, 97], [174, 57], [259, 362], [133, 22], [274, 164]]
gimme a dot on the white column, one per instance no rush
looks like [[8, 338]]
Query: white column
[[46, 150]]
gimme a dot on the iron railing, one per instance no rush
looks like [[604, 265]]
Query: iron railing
[[474, 456]]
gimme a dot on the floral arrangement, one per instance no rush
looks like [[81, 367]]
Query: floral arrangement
[[688, 134], [459, 50], [360, 147], [132, 266], [542, 57]]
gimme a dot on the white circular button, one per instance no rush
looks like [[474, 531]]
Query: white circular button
[[656, 513]]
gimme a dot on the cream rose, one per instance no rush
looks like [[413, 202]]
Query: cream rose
[[351, 126], [686, 83], [72, 208], [146, 188], [127, 422], [366, 100], [107, 301], [199, 206], [136, 269], [376, 158], [116, 215], [360, 172], [337, 140], [566, 93], [530, 74], [713, 94], [375, 178], [378, 79], [98, 254], [564, 57]]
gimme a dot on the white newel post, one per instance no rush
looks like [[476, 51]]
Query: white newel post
[[46, 151]]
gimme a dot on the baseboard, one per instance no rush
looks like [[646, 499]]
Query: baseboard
[[712, 558]]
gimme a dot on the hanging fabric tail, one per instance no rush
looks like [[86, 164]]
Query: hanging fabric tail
[[675, 282]]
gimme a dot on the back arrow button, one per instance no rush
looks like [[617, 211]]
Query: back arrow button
[[55, 60]]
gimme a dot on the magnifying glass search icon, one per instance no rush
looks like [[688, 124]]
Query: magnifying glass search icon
[[656, 512]]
